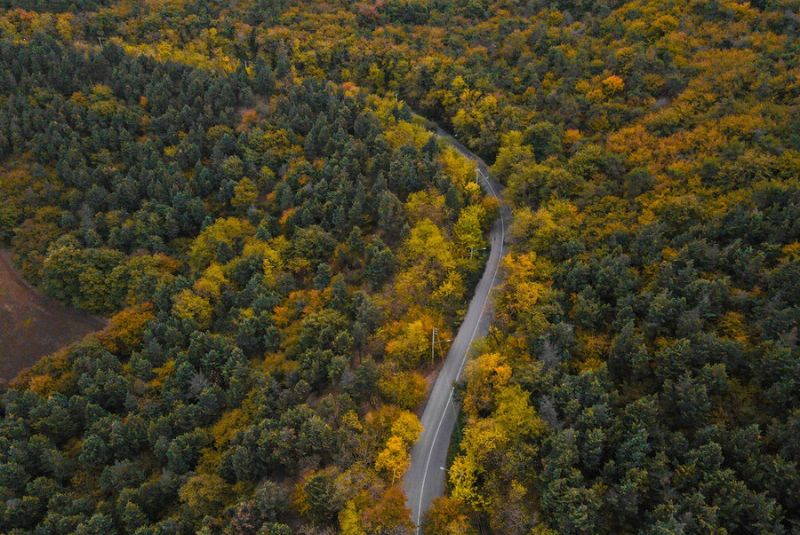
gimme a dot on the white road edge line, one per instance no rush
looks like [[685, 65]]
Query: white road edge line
[[469, 345]]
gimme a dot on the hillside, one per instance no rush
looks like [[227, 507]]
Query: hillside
[[33, 325]]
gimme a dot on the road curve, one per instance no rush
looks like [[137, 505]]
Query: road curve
[[425, 478]]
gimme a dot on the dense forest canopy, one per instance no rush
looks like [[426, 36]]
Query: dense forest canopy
[[276, 234], [259, 370]]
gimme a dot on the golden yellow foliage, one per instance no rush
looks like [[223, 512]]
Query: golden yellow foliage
[[461, 170], [426, 204], [210, 283], [197, 53], [245, 193], [411, 345], [230, 231], [64, 25], [484, 375], [449, 516], [407, 426], [124, 330], [394, 459], [449, 295], [403, 388], [228, 425], [468, 229], [406, 133], [733, 324], [427, 243], [189, 305], [791, 252], [513, 151], [613, 84], [204, 493], [349, 520]]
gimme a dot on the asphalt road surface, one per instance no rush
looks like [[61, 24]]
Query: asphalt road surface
[[425, 478]]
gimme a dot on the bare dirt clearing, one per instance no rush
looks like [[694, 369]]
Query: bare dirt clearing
[[33, 325]]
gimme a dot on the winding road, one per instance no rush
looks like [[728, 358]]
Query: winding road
[[425, 478]]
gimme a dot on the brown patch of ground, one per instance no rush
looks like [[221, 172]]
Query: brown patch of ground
[[33, 325]]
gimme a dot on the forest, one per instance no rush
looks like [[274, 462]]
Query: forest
[[258, 369], [247, 191]]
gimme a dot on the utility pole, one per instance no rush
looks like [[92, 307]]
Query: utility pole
[[433, 341]]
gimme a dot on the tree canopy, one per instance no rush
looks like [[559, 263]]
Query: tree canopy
[[243, 189]]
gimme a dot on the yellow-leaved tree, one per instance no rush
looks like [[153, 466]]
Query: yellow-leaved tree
[[225, 234], [394, 459]]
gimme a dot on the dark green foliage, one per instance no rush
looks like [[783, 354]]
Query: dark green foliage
[[131, 160], [55, 5]]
